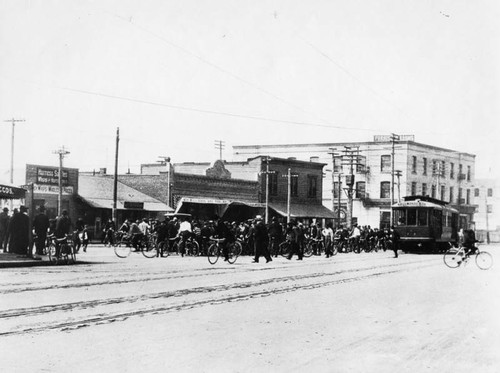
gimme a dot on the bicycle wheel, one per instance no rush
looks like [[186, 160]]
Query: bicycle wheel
[[51, 250], [162, 249], [335, 249], [71, 254], [237, 248], [149, 251], [232, 252], [213, 253], [192, 248], [284, 249], [484, 260], [122, 250], [308, 250], [453, 257], [311, 247]]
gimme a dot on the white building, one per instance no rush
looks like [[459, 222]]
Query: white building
[[424, 170], [487, 217]]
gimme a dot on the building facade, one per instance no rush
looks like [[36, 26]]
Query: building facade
[[487, 218], [367, 168]]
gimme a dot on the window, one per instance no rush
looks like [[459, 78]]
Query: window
[[337, 168], [460, 195], [385, 189], [385, 163], [460, 172], [433, 191], [443, 191], [360, 164], [422, 217], [336, 189], [489, 209], [468, 173], [414, 164], [273, 183], [294, 185], [312, 189], [490, 192], [360, 189], [476, 192], [413, 188], [451, 195], [411, 217], [435, 170], [467, 197], [443, 169], [399, 217], [452, 170], [424, 189], [425, 166]]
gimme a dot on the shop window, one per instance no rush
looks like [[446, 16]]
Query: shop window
[[312, 189]]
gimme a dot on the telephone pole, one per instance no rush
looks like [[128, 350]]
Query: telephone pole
[[13, 121], [289, 177], [393, 138], [166, 160], [398, 175], [219, 144], [334, 157], [115, 180], [61, 152], [351, 159]]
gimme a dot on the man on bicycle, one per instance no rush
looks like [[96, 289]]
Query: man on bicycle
[[469, 240], [185, 232], [223, 233]]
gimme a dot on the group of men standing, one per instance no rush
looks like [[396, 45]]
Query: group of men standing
[[18, 234]]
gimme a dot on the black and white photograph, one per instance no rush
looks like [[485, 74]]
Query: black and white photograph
[[249, 186]]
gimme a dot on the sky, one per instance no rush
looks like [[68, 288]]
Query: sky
[[175, 76]]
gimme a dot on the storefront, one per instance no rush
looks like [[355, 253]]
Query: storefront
[[12, 197]]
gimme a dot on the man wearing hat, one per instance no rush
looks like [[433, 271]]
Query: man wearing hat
[[4, 225], [40, 226], [261, 240], [20, 233]]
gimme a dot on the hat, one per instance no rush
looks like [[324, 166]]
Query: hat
[[258, 217], [6, 209], [23, 209]]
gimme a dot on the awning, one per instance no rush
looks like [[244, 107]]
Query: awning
[[223, 203], [303, 211], [104, 203], [11, 192]]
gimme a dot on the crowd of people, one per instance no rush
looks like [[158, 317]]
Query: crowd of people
[[263, 239], [18, 234]]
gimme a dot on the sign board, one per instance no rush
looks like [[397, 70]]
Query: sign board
[[10, 192], [386, 138], [133, 205], [52, 189], [50, 176]]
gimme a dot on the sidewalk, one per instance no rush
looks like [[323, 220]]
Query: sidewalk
[[8, 260]]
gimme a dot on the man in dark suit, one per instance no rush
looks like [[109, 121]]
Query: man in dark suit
[[40, 226]]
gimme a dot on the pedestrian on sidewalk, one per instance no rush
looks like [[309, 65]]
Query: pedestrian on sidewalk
[[40, 226], [4, 226], [20, 238]]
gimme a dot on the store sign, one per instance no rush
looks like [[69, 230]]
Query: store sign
[[50, 189], [9, 192], [133, 205], [50, 176]]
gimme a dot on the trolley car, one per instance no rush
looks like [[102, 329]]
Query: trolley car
[[425, 224]]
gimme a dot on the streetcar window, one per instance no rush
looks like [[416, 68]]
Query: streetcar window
[[422, 217], [399, 217], [437, 218], [411, 217]]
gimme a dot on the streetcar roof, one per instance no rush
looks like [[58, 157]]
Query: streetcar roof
[[422, 204]]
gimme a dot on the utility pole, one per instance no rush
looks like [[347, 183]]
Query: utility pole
[[115, 180], [166, 160], [61, 152], [334, 157], [219, 144], [13, 121], [398, 175], [393, 138], [267, 172], [350, 158], [289, 193]]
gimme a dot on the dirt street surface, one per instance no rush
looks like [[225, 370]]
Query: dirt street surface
[[350, 313]]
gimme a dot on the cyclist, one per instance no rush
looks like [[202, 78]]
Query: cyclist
[[355, 235], [223, 233], [135, 234], [63, 227], [469, 240], [185, 232]]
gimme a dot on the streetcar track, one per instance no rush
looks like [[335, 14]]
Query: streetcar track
[[131, 278], [162, 309]]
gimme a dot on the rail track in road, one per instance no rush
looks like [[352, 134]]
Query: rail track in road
[[74, 315]]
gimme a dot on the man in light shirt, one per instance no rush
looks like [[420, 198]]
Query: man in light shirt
[[185, 231]]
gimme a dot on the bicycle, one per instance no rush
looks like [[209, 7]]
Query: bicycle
[[316, 246], [215, 250], [62, 250], [455, 256], [124, 247]]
